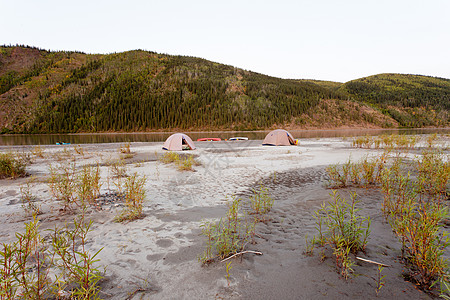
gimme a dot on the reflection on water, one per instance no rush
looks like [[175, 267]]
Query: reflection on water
[[48, 139]]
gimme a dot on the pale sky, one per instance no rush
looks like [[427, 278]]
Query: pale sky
[[310, 39]]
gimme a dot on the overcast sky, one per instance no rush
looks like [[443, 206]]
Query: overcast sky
[[334, 40]]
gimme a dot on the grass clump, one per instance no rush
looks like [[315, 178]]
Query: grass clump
[[186, 163], [77, 268], [79, 150], [75, 189], [119, 169], [229, 235], [434, 172], [12, 165], [183, 163], [63, 184], [134, 195], [366, 172], [29, 205], [393, 141], [416, 211], [38, 151], [260, 202], [125, 148], [170, 157], [33, 268], [363, 142], [88, 185], [340, 227]]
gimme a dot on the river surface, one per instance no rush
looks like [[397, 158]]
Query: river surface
[[90, 138]]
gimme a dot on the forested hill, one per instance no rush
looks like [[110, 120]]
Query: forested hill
[[403, 96], [48, 92]]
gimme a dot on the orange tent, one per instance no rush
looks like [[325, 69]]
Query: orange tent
[[279, 137], [178, 142]]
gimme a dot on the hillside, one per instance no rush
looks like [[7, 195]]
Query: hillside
[[49, 92], [332, 85], [412, 100]]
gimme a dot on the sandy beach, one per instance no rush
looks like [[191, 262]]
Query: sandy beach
[[156, 257]]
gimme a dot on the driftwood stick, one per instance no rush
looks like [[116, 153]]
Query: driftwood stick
[[372, 262], [240, 253]]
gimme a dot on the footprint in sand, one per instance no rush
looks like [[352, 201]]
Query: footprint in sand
[[164, 243]]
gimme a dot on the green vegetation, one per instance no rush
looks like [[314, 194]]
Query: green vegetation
[[416, 211], [340, 226], [183, 162], [56, 92], [139, 90], [29, 205], [260, 202], [331, 85], [12, 165], [415, 194], [412, 100], [364, 173], [379, 279], [393, 141], [63, 185], [134, 194], [88, 186], [36, 268], [228, 236]]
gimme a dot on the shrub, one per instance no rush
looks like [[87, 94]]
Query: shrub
[[182, 163], [368, 167], [366, 172], [12, 166], [420, 229], [38, 151], [170, 157], [74, 261], [431, 139], [343, 229], [88, 184], [30, 268], [63, 184], [434, 173], [186, 163], [417, 215], [337, 179], [28, 199], [260, 202], [229, 235], [119, 169], [125, 148], [343, 224], [79, 150], [134, 194]]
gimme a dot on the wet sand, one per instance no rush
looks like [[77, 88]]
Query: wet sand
[[157, 257]]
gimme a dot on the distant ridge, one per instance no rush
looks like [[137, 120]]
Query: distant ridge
[[61, 91], [404, 97]]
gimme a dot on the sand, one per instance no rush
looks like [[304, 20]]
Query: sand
[[157, 257]]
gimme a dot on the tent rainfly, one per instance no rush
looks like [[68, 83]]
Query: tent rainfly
[[178, 142], [279, 137]]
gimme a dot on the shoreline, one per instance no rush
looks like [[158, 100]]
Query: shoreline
[[156, 257], [351, 128]]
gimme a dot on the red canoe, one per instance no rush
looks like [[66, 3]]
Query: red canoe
[[208, 139]]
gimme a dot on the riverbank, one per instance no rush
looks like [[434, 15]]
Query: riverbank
[[124, 137], [156, 257]]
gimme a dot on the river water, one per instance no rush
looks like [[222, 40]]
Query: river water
[[89, 138]]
